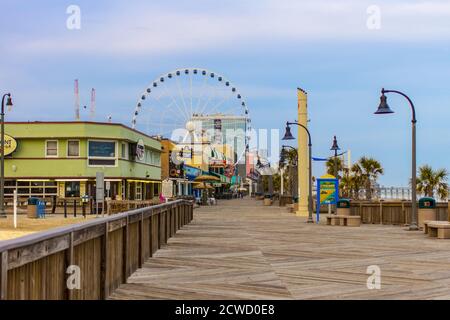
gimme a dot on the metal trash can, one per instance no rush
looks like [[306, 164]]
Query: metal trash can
[[32, 207], [427, 210], [343, 207]]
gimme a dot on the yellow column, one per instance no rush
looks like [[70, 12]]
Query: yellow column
[[303, 166]]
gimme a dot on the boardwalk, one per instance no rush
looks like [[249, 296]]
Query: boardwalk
[[243, 250]]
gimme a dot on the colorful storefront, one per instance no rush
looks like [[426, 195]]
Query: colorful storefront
[[62, 158]]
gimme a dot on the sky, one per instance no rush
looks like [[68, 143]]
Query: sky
[[341, 52]]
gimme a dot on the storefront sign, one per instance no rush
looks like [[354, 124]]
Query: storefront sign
[[140, 150], [10, 144]]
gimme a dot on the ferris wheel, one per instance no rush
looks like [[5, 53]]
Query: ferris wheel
[[177, 98]]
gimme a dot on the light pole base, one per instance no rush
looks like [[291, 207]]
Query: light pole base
[[413, 227]]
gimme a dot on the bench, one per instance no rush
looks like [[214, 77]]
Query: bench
[[343, 220], [438, 229]]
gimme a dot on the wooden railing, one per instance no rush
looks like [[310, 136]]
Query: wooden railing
[[106, 250], [391, 212], [116, 206]]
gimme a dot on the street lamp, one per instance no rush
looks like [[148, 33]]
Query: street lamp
[[288, 136], [335, 148], [384, 108], [2, 148]]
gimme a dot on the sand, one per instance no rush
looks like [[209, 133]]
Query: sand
[[27, 225]]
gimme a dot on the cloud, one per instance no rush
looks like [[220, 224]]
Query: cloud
[[165, 29]]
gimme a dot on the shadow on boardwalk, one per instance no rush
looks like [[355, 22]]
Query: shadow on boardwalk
[[243, 250]]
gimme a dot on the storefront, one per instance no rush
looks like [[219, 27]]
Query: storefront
[[61, 159]]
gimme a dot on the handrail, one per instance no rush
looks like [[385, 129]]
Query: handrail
[[112, 247], [59, 231]]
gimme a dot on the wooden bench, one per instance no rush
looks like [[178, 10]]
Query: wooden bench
[[438, 229], [342, 220]]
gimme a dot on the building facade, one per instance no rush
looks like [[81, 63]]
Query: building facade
[[62, 158]]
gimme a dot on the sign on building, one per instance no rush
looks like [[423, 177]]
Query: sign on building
[[140, 150], [167, 188], [218, 131], [10, 144]]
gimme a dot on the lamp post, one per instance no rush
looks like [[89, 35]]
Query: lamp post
[[335, 148], [288, 136], [2, 147], [260, 165], [384, 108]]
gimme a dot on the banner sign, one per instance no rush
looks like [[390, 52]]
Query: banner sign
[[327, 192], [140, 150]]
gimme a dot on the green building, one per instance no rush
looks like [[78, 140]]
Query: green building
[[62, 158]]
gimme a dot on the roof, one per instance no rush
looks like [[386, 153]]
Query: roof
[[83, 122]]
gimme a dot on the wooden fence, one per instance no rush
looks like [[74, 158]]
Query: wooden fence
[[107, 251], [392, 212], [116, 206]]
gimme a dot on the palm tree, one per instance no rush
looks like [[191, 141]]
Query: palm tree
[[430, 181], [330, 166], [368, 169]]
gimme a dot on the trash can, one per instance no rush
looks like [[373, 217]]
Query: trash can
[[343, 207], [32, 207], [267, 200], [427, 210], [40, 208]]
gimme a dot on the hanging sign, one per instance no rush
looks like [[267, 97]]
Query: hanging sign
[[140, 150]]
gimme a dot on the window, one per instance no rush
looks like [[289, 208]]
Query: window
[[51, 148], [124, 151], [73, 148], [72, 189], [102, 153], [138, 194]]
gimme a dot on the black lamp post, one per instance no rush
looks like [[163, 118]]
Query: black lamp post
[[288, 136], [260, 165], [335, 148], [2, 147], [384, 108]]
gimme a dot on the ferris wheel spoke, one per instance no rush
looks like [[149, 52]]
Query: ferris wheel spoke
[[220, 103], [209, 99], [176, 103], [200, 98], [177, 115], [181, 94], [190, 91]]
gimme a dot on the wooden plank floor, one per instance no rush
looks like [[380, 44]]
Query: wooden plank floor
[[241, 249]]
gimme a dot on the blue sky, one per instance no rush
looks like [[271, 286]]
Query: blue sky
[[266, 47]]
